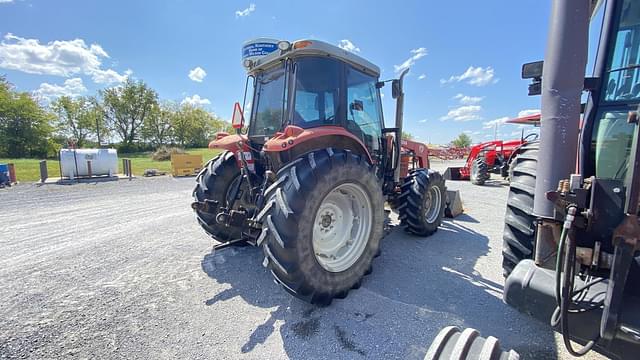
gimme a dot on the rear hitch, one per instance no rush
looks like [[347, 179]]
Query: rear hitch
[[208, 206], [237, 218]]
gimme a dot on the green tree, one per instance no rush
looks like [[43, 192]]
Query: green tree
[[463, 140], [24, 125], [195, 127], [126, 107], [407, 135], [96, 117], [190, 125], [158, 129], [76, 118]]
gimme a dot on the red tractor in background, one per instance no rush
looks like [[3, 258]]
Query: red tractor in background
[[492, 157]]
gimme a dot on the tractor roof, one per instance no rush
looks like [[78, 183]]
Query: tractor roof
[[526, 120], [314, 47]]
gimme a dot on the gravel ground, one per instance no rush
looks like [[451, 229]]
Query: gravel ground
[[122, 270]]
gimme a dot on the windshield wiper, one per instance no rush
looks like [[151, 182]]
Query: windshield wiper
[[628, 67]]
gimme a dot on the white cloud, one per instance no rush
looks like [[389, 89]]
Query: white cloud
[[109, 76], [416, 54], [491, 124], [422, 76], [60, 58], [468, 100], [197, 74], [5, 1], [70, 87], [247, 11], [423, 121], [477, 76], [348, 45], [528, 112], [463, 113], [195, 100]]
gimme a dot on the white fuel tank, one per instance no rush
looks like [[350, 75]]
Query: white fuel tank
[[74, 162]]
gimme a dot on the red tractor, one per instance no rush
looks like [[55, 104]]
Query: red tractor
[[487, 158], [308, 179]]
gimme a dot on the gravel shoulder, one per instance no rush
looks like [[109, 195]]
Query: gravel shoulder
[[122, 270]]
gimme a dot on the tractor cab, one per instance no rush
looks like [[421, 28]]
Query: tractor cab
[[308, 177], [309, 90]]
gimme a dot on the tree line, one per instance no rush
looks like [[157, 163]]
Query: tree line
[[130, 117]]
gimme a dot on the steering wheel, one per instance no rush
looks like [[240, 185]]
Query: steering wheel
[[533, 136]]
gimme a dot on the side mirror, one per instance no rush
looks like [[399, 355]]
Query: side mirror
[[237, 121], [532, 70], [395, 89], [396, 84]]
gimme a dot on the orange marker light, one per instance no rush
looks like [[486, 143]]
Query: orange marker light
[[301, 44]]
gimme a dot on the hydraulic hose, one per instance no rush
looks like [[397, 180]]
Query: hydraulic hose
[[565, 274]]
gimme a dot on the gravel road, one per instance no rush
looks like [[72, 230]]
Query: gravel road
[[122, 270]]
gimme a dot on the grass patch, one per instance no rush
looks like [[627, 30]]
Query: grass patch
[[29, 169]]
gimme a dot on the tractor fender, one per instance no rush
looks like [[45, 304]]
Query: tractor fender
[[224, 141], [294, 141]]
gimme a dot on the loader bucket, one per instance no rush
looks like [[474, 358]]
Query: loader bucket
[[454, 204], [453, 173]]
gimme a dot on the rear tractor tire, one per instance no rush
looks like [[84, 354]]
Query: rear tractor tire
[[453, 344], [479, 171], [422, 201], [213, 183], [322, 224], [519, 228]]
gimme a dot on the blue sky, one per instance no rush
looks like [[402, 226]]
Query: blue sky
[[471, 48]]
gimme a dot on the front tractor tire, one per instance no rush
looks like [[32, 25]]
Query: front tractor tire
[[213, 183], [479, 171], [421, 202], [323, 224], [519, 227]]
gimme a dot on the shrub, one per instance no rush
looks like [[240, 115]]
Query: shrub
[[163, 153]]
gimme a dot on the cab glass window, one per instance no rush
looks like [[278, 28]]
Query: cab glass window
[[622, 82], [611, 144], [270, 97], [364, 119], [316, 93]]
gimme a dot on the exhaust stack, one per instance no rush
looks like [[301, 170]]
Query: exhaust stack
[[562, 83], [398, 93]]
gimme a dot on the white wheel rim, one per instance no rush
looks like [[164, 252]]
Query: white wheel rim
[[342, 227], [474, 171], [432, 204]]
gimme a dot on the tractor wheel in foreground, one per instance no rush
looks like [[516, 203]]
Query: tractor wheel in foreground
[[213, 183], [422, 201], [324, 225], [479, 171], [519, 228], [453, 344]]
